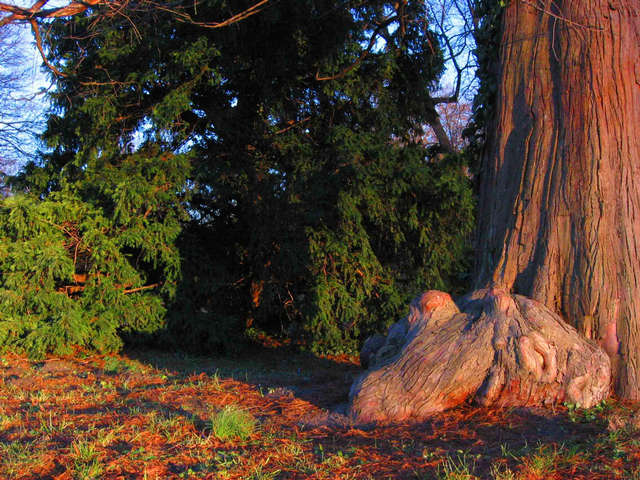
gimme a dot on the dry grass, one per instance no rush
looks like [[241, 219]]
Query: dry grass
[[159, 416]]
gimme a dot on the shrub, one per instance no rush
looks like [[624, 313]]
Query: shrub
[[93, 262]]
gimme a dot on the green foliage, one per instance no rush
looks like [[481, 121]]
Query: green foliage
[[398, 232], [487, 37], [578, 414], [326, 216], [91, 262], [291, 139]]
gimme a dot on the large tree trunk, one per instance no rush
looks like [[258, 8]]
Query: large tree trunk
[[559, 221], [559, 215]]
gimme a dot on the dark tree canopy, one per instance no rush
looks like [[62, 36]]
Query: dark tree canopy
[[262, 175]]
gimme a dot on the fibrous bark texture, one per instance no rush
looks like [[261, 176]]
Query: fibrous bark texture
[[490, 348], [559, 213]]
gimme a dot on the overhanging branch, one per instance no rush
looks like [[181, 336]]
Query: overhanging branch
[[37, 12]]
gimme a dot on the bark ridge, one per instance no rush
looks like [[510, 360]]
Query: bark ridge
[[489, 347]]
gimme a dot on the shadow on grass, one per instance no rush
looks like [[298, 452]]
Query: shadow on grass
[[148, 389], [320, 381]]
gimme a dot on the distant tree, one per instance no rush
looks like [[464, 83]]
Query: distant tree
[[454, 118], [454, 23], [20, 122]]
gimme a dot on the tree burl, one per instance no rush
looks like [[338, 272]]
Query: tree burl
[[489, 348]]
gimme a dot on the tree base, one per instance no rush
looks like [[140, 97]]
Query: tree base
[[490, 348]]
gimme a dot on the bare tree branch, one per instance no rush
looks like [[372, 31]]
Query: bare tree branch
[[20, 121], [454, 21], [182, 16], [372, 41], [37, 13], [35, 28]]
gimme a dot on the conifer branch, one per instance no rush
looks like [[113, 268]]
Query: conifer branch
[[363, 55]]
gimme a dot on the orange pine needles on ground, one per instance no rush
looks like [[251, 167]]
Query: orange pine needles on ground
[[157, 416]]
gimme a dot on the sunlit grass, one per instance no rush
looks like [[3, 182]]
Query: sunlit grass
[[460, 467], [499, 471], [17, 455], [232, 422], [542, 463]]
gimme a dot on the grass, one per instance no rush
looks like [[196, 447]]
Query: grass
[[89, 471], [51, 425], [85, 461], [114, 365], [460, 467], [167, 425], [7, 420], [16, 456], [500, 471], [258, 474], [542, 463], [83, 451], [232, 422], [162, 416]]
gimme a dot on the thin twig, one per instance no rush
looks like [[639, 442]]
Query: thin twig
[[182, 16], [139, 289], [36, 33], [362, 56]]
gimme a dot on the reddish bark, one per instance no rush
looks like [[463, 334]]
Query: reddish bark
[[559, 215], [491, 348]]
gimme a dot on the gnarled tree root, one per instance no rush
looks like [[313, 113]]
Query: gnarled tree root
[[490, 348]]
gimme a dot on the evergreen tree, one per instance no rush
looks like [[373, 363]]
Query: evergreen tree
[[92, 260], [290, 140]]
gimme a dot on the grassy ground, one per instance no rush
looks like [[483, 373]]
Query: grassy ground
[[275, 414]]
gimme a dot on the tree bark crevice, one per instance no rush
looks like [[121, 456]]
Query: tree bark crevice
[[489, 348], [565, 153]]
